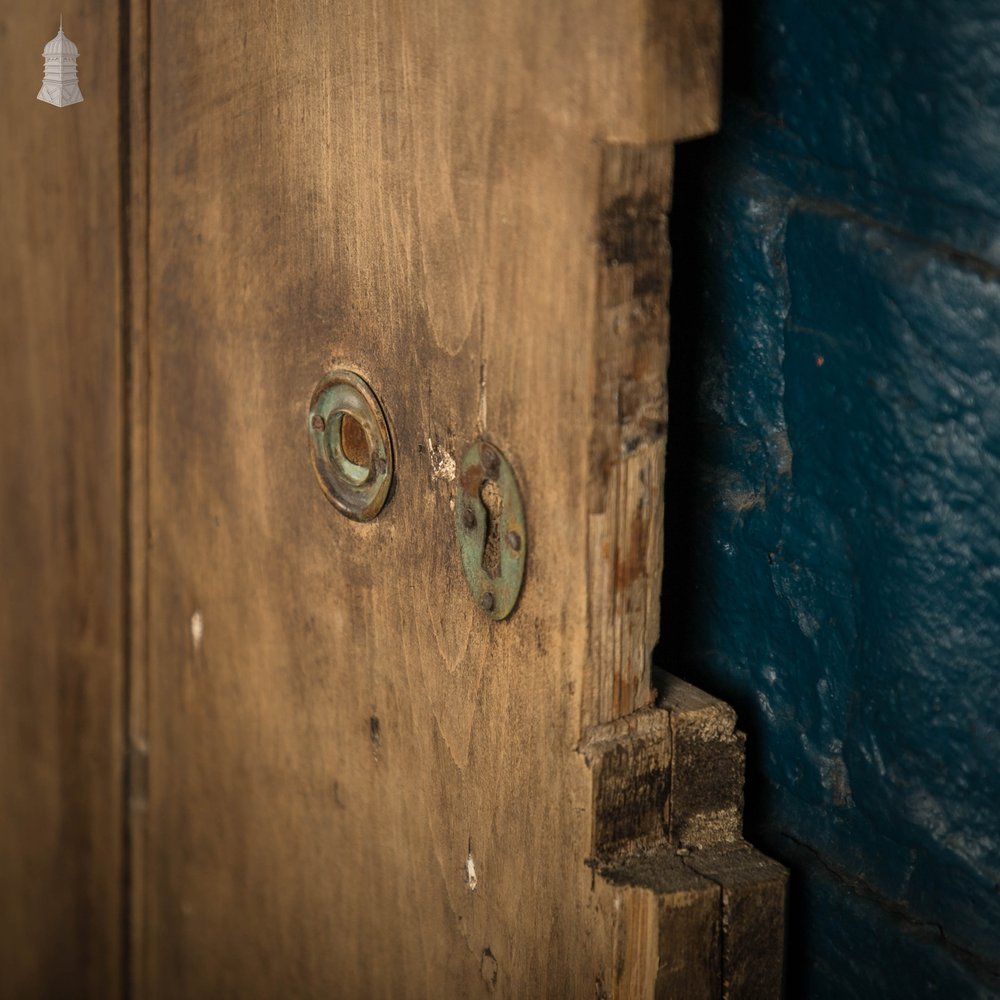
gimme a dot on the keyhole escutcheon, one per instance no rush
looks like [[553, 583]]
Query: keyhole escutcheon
[[490, 528]]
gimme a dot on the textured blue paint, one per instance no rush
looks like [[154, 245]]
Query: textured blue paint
[[861, 948], [902, 91], [833, 551]]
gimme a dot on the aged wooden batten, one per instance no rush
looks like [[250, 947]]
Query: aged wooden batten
[[706, 909]]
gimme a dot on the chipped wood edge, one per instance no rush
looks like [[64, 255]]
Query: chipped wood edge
[[629, 422]]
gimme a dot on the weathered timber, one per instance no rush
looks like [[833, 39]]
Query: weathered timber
[[677, 915], [628, 428], [705, 805], [357, 783], [61, 513], [629, 760], [667, 806], [753, 895]]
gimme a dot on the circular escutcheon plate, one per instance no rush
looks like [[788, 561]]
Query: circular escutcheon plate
[[351, 447]]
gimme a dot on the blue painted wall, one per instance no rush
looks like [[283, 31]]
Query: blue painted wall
[[833, 527]]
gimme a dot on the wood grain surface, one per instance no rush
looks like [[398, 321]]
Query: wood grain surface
[[62, 613], [342, 778], [359, 785], [250, 748]]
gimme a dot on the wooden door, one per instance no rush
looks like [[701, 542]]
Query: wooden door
[[344, 777], [63, 551]]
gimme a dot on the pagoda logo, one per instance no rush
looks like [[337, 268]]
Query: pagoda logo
[[60, 86]]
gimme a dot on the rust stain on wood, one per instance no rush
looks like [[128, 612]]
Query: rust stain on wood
[[631, 564], [628, 435]]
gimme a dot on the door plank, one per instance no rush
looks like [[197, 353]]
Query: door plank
[[359, 784], [61, 512]]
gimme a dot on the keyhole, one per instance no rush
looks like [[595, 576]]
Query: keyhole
[[492, 499], [354, 442]]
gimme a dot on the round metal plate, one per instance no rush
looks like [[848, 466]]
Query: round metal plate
[[351, 447]]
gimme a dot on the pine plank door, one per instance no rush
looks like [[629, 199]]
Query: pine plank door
[[349, 779], [63, 607]]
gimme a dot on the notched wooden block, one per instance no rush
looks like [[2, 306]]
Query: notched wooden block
[[705, 803], [630, 767], [714, 926], [686, 916], [754, 890], [673, 771]]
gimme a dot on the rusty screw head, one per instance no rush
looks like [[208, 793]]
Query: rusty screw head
[[490, 460], [318, 423], [514, 540], [469, 518], [488, 602]]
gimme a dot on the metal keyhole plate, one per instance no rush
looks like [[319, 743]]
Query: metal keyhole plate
[[489, 523], [351, 447]]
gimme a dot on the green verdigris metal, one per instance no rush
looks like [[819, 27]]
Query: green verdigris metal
[[351, 446], [489, 525]]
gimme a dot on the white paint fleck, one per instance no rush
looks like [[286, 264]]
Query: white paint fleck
[[442, 461], [197, 629], [470, 873], [482, 398]]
